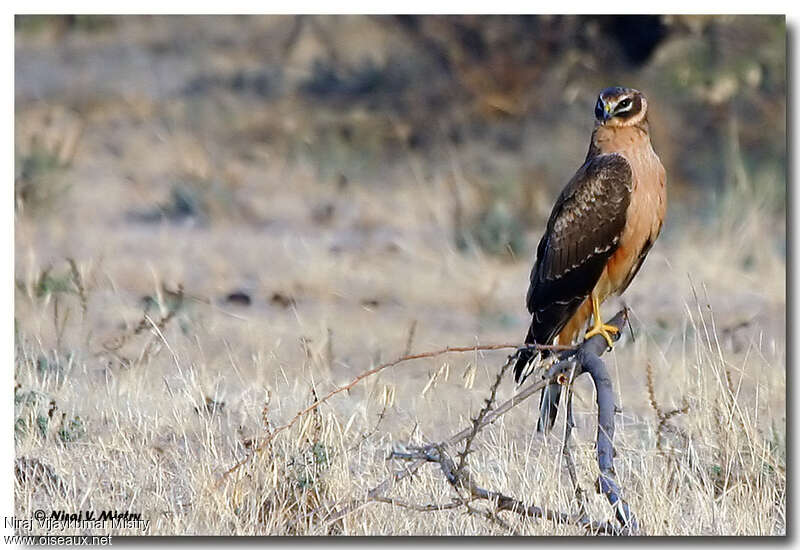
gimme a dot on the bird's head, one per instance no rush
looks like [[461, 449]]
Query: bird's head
[[618, 106]]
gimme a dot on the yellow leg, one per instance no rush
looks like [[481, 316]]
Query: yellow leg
[[599, 327]]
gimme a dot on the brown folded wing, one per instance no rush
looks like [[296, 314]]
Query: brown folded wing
[[582, 233]]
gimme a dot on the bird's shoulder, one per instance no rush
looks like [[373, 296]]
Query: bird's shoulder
[[598, 174]]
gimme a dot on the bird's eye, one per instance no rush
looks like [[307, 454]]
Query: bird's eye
[[625, 104], [598, 109]]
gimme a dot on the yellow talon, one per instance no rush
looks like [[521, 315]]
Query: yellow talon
[[600, 327]]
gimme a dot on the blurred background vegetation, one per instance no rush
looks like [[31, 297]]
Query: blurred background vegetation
[[359, 97]]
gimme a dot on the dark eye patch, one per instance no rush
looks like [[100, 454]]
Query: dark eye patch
[[624, 103]]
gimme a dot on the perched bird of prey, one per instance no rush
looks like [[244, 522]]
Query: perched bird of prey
[[599, 232]]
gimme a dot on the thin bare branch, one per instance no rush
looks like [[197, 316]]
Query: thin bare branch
[[419, 507], [477, 421], [580, 496], [371, 372]]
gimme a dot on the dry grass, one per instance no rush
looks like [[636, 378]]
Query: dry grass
[[142, 404], [155, 435]]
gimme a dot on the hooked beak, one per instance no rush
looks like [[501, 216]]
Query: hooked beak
[[607, 112]]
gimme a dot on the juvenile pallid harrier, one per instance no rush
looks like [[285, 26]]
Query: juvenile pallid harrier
[[599, 232]]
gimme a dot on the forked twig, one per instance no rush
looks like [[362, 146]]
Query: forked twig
[[584, 359], [463, 481]]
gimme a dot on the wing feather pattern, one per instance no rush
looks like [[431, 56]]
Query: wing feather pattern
[[583, 231]]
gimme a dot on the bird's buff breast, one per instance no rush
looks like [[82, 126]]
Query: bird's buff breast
[[644, 218]]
